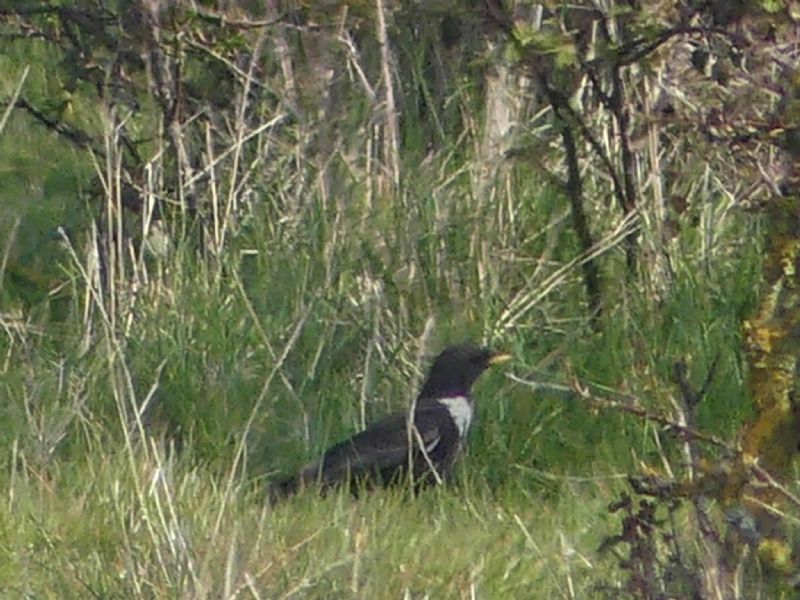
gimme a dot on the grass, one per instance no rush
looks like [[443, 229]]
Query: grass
[[140, 420], [170, 530], [250, 370]]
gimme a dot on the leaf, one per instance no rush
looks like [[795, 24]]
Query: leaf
[[772, 6]]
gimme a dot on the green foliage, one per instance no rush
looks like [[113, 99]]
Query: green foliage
[[523, 450], [772, 6], [559, 46], [139, 421]]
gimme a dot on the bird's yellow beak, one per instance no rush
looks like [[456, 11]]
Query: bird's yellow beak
[[498, 358]]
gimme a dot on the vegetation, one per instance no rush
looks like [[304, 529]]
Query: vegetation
[[232, 233]]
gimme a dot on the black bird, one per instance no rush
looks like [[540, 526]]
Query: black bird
[[381, 453]]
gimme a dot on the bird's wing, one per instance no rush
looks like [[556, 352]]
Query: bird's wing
[[380, 447]]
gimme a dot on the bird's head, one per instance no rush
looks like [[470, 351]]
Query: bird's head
[[456, 368]]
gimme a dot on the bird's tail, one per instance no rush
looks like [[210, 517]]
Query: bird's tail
[[283, 488]]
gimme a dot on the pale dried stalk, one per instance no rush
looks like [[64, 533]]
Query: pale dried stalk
[[392, 138]]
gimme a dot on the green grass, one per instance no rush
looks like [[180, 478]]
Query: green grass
[[171, 531], [139, 429], [95, 509]]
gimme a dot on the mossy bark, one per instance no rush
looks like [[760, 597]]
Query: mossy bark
[[772, 344]]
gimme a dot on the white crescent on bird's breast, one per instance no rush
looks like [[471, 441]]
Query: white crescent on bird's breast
[[460, 409]]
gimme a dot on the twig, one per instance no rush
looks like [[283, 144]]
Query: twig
[[633, 407], [574, 189], [76, 136], [667, 422], [773, 483], [221, 20]]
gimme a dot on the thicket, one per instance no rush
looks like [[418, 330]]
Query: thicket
[[232, 232]]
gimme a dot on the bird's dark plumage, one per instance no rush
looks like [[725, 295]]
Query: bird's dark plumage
[[382, 452]]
